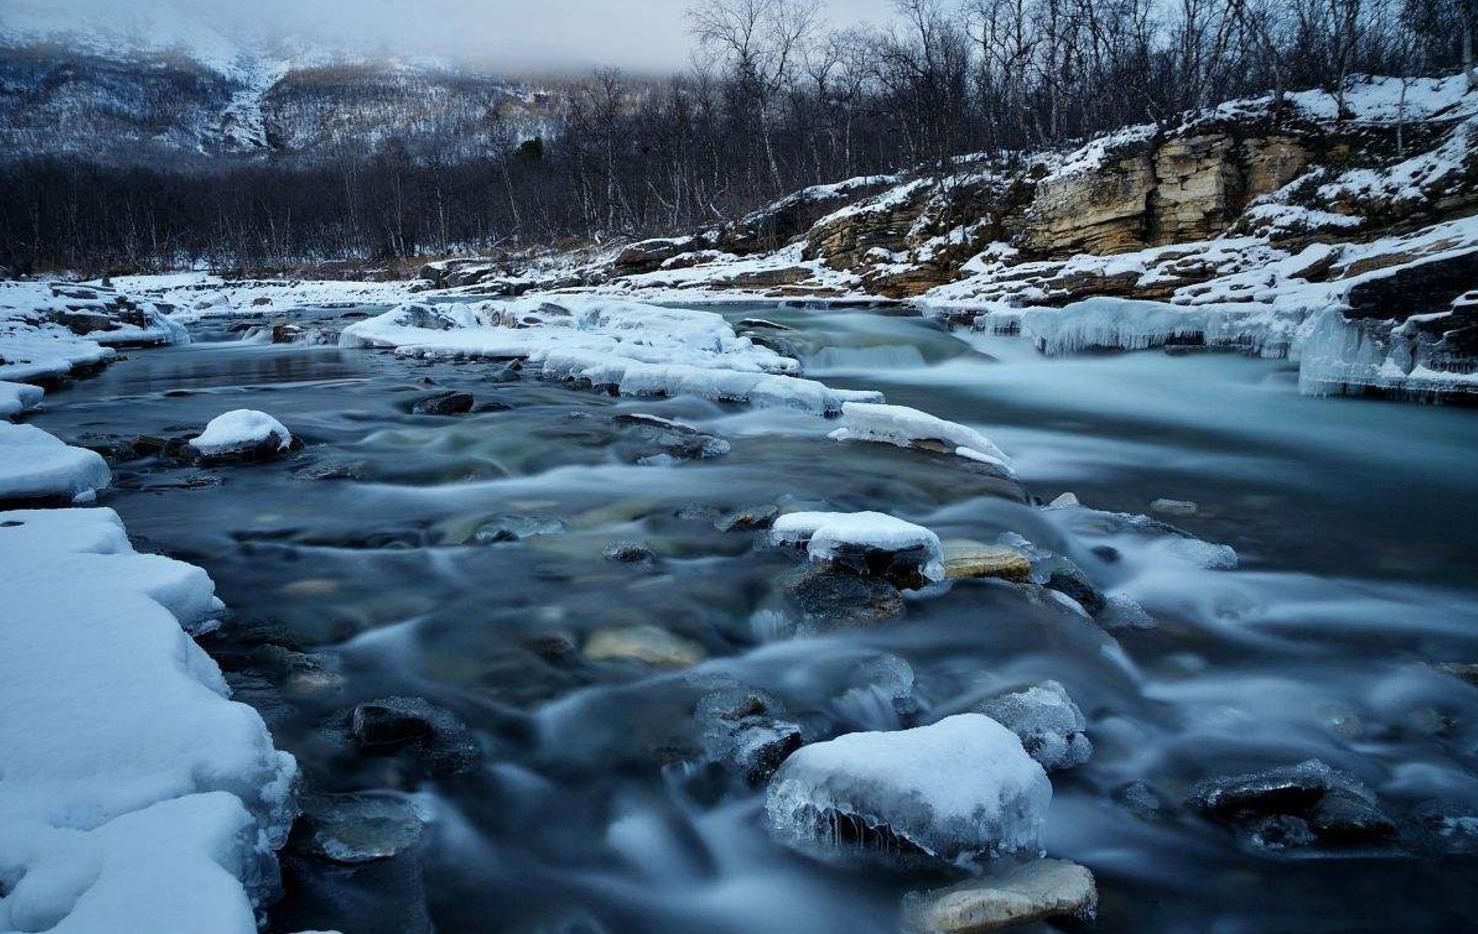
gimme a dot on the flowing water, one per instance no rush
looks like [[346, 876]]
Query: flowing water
[[1356, 524]]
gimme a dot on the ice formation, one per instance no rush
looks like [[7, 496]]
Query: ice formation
[[827, 534], [18, 397], [1051, 727], [959, 790], [137, 797], [906, 427], [241, 429], [36, 465], [634, 349]]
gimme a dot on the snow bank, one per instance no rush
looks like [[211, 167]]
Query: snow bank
[[47, 329], [241, 429], [906, 427], [631, 348], [827, 534], [18, 397], [136, 797], [958, 790], [35, 465]]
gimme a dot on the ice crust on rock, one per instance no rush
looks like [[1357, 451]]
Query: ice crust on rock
[[1103, 322], [1051, 727], [632, 348], [36, 465], [240, 430], [958, 791], [906, 427], [826, 535], [136, 795]]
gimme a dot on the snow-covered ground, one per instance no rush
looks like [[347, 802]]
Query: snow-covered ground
[[48, 329]]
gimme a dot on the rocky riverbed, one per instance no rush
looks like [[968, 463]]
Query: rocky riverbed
[[555, 657]]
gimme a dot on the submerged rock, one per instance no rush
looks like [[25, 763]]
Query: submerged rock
[[743, 730], [1050, 726], [675, 441], [1018, 894], [356, 828], [450, 402], [1174, 507], [957, 791], [442, 743], [515, 528], [649, 644], [629, 552]]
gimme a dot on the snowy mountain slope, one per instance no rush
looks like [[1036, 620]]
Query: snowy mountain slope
[[159, 82]]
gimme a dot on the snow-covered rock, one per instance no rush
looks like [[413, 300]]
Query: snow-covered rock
[[634, 349], [242, 432], [36, 465], [1052, 729], [843, 536], [958, 791], [136, 795], [906, 427]]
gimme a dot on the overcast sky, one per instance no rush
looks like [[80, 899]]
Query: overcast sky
[[639, 35]]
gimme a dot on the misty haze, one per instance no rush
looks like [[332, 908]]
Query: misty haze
[[749, 466]]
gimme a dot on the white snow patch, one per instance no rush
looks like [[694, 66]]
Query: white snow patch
[[18, 397]]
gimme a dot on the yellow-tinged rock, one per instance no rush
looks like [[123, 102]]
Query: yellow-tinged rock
[[965, 560], [648, 644], [1021, 894]]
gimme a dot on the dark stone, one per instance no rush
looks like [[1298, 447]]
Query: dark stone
[[836, 596], [333, 470], [629, 552], [356, 828], [556, 648], [450, 402], [1419, 288], [676, 440], [1069, 579], [1275, 791], [748, 518], [1340, 817], [1279, 832], [903, 568], [442, 743], [743, 732]]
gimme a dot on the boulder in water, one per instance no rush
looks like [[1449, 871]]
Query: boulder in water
[[650, 645], [956, 792], [450, 402], [1021, 893], [1050, 726], [442, 743], [1295, 805], [356, 828]]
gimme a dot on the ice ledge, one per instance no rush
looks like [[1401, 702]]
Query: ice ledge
[[136, 795]]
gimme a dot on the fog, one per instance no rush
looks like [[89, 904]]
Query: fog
[[522, 35]]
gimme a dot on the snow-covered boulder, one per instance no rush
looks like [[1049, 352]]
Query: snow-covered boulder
[[136, 795], [243, 434], [958, 791], [34, 465], [911, 428], [48, 329], [866, 542], [1050, 726]]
